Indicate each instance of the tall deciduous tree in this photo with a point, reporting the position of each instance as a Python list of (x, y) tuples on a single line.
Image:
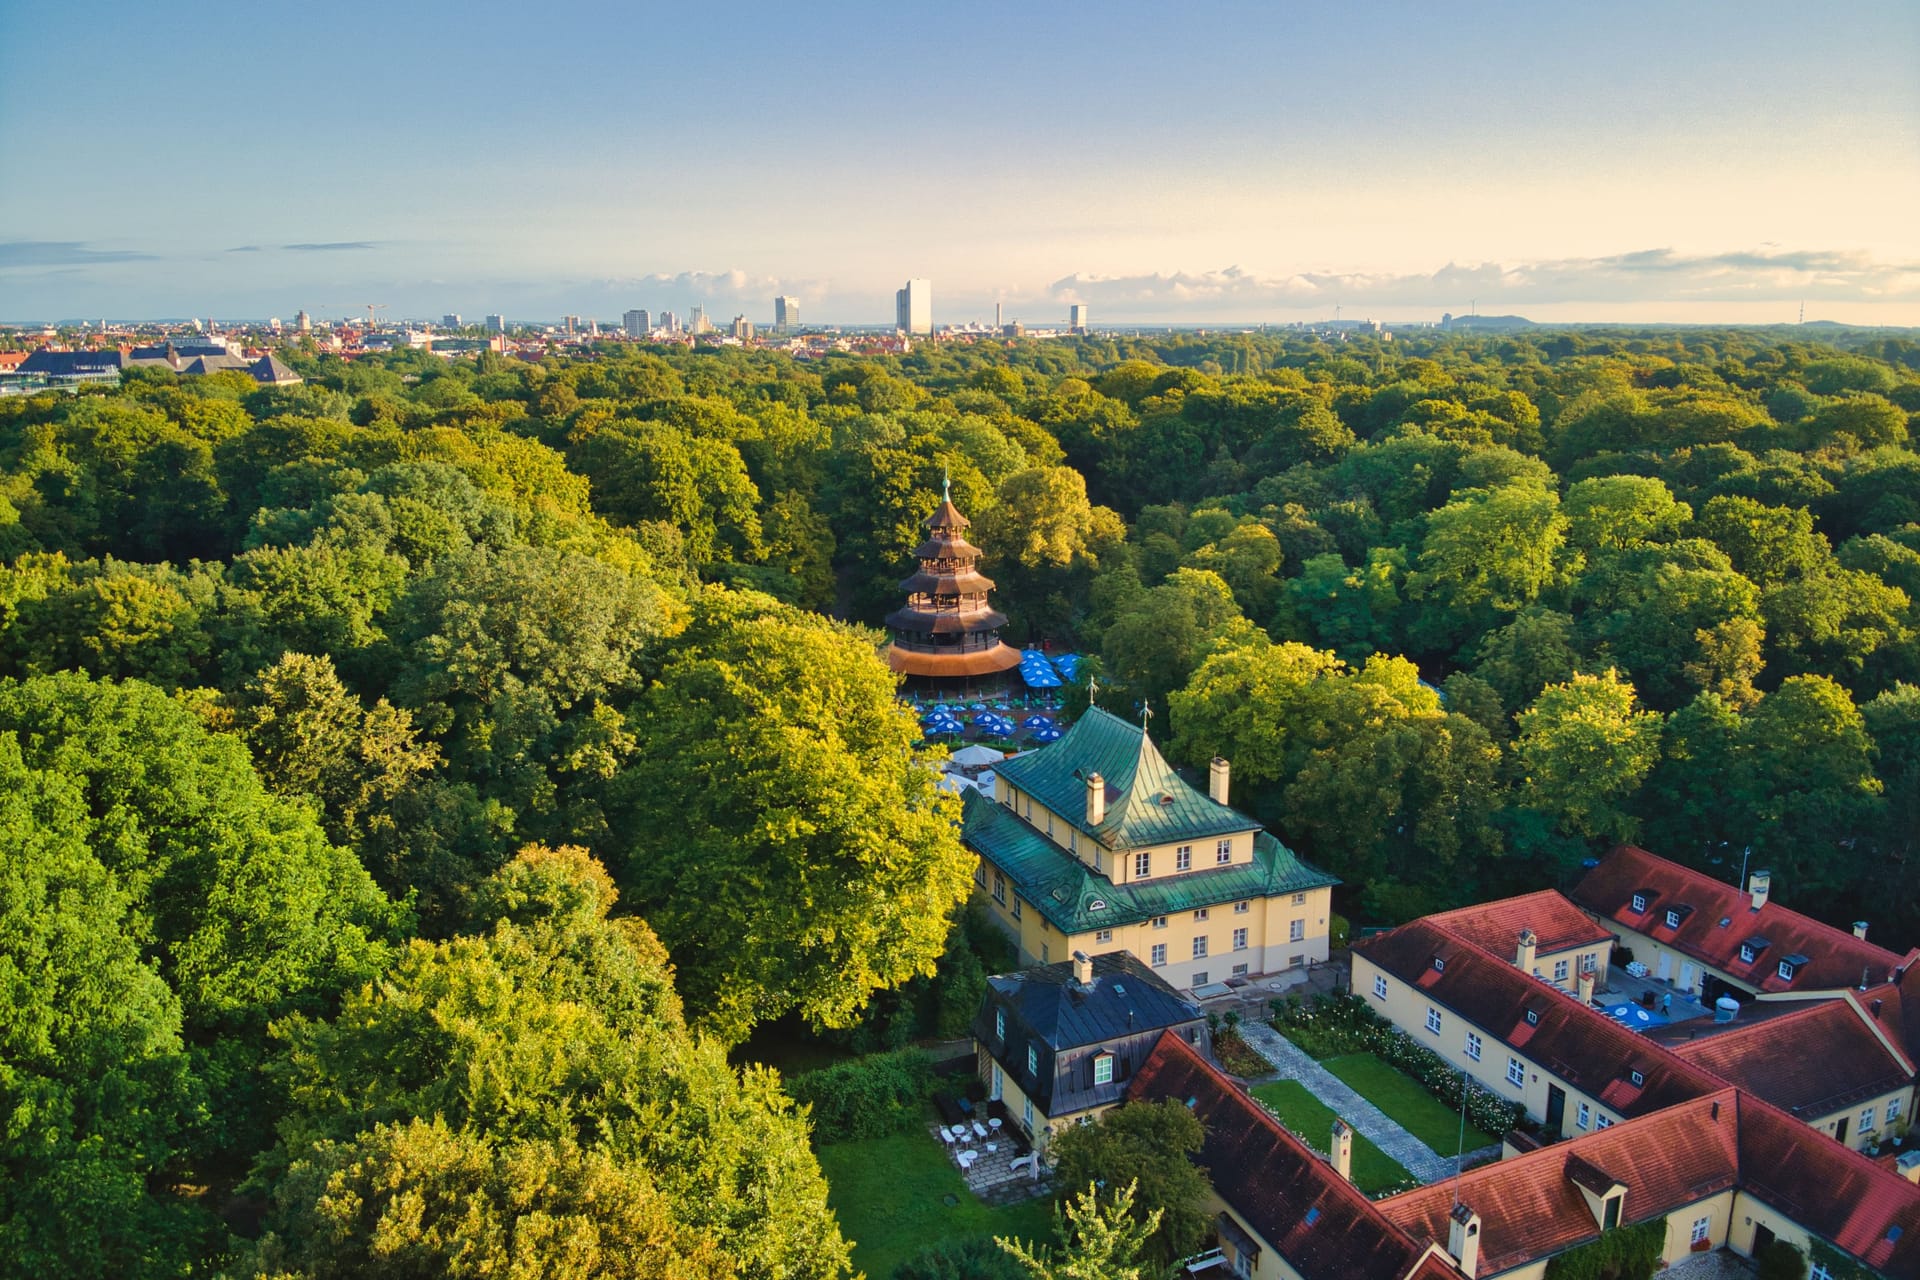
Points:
[(1142, 1152), (774, 824), (1583, 749)]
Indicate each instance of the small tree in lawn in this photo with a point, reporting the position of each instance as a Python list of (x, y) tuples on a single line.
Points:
[(1100, 1239), (1147, 1147)]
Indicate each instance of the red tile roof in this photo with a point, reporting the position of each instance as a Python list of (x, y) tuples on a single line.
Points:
[(1495, 927), (1580, 1045), (1811, 1062), (1833, 1191), (1276, 1183), (1531, 1206), (1834, 957)]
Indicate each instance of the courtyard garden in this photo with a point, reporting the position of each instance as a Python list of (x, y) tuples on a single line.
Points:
[(1311, 1120), (1407, 1103)]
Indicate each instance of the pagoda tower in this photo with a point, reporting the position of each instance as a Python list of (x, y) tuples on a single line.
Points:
[(948, 631)]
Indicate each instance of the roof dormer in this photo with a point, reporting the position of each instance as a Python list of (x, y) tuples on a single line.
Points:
[(1676, 915), (1605, 1194)]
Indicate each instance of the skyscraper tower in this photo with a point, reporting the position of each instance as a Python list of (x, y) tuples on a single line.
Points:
[(913, 308), (786, 314), (948, 630), (637, 324)]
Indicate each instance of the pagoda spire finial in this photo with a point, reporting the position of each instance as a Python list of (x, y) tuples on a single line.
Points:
[(946, 485)]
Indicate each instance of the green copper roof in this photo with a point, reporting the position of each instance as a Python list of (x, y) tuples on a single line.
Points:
[(1066, 890), (1147, 802)]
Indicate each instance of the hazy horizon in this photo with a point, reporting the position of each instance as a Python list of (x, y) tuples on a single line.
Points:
[(1722, 163)]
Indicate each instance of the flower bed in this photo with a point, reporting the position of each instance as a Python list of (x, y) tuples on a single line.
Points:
[(1237, 1056), (1334, 1026)]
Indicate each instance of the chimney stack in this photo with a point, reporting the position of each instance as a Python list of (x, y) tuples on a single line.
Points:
[(1524, 953), (1583, 986), (1876, 1010), (1463, 1239), (1096, 799), (1860, 930), (1217, 776), (1083, 968), (1760, 885), (1342, 1149)]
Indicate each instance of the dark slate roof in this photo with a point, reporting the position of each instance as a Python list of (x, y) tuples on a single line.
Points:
[(67, 364), (1148, 802), (270, 370), (1125, 998), (1075, 898)]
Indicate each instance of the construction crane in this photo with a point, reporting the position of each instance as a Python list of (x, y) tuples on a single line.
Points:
[(371, 308)]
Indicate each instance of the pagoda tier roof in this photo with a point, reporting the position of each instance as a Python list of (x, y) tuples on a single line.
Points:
[(974, 662), (966, 582), (947, 516), (946, 549), (945, 622)]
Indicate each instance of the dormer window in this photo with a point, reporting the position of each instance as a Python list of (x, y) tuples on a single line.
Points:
[(1103, 1068), (1000, 1024), (1789, 966), (1747, 953), (1439, 965), (1533, 1017), (1673, 919), (1639, 1078), (1033, 1061), (1639, 902)]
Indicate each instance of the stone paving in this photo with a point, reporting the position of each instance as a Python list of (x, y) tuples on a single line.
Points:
[(1293, 1063), (1721, 1264), (991, 1175)]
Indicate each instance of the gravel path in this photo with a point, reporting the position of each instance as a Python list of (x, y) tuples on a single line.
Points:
[(1293, 1063)]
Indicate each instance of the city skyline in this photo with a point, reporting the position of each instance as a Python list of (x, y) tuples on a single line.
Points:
[(1722, 162)]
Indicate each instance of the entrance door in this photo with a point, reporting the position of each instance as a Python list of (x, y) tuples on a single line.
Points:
[(996, 1082), (1666, 966), (1762, 1237), (1840, 1132), (1556, 1110), (1688, 976)]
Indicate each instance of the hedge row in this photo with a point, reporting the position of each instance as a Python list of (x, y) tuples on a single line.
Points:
[(1340, 1024), (868, 1097)]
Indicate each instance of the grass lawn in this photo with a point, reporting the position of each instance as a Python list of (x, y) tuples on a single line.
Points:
[(1311, 1120), (1406, 1102), (889, 1194)]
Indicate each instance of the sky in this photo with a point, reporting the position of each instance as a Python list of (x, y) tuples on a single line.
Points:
[(1190, 163)]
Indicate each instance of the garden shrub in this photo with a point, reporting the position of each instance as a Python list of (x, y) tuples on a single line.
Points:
[(1624, 1253), (1780, 1261), (961, 1258), (868, 1097), (1343, 1024)]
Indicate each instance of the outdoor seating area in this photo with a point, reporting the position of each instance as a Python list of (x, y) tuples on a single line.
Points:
[(1032, 719), (991, 1153), (1641, 1003)]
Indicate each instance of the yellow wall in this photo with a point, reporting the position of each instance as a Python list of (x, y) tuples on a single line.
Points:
[(1064, 831), (1270, 947), (1595, 954), (1015, 1100), (1829, 1123), (1648, 952)]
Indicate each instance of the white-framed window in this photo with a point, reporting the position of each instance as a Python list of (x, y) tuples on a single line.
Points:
[(1560, 970), (1017, 910), (1000, 1024), (1380, 986), (1701, 1227), (1673, 919), (1299, 899), (1296, 931), (1747, 953), (980, 874), (1103, 935), (1239, 971), (1200, 947), (1142, 866), (1866, 1120), (1200, 978), (999, 888), (1046, 954), (1785, 971), (1103, 1068), (1158, 956), (1473, 1045), (1296, 962), (1223, 851), (1639, 902), (1033, 1060), (1893, 1110), (1202, 913), (1242, 907), (1602, 1121), (1239, 939), (1183, 858), (1583, 1119), (1433, 1020), (1026, 1114), (1516, 1071), (1159, 922), (1639, 1078), (1817, 1270)]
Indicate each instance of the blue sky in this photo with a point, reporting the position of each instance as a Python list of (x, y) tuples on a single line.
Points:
[(1186, 163)]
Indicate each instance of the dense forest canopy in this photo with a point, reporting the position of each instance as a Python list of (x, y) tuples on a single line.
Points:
[(417, 778)]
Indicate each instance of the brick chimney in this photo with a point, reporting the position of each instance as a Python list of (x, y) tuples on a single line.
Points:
[(1860, 930), (1463, 1239), (1583, 986), (1217, 777), (1341, 1152), (1524, 953), (1083, 968), (1096, 799), (1760, 884)]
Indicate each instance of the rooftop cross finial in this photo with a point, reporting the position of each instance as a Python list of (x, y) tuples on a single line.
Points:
[(1093, 690), (1146, 714)]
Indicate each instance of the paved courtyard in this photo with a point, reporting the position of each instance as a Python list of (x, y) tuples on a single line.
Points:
[(990, 1171)]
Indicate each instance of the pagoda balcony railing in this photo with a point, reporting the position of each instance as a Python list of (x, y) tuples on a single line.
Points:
[(964, 642), (948, 604)]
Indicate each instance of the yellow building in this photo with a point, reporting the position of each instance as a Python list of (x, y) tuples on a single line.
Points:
[(1095, 844)]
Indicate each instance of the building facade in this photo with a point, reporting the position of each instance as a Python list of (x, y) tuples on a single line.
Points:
[(637, 323), (1095, 843), (913, 308), (786, 314)]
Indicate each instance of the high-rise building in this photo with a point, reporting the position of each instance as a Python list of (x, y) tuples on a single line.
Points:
[(496, 324), (303, 322), (572, 324), (913, 307), (786, 314), (451, 320), (997, 322), (698, 322), (743, 328), (1077, 318), (670, 322), (636, 324)]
